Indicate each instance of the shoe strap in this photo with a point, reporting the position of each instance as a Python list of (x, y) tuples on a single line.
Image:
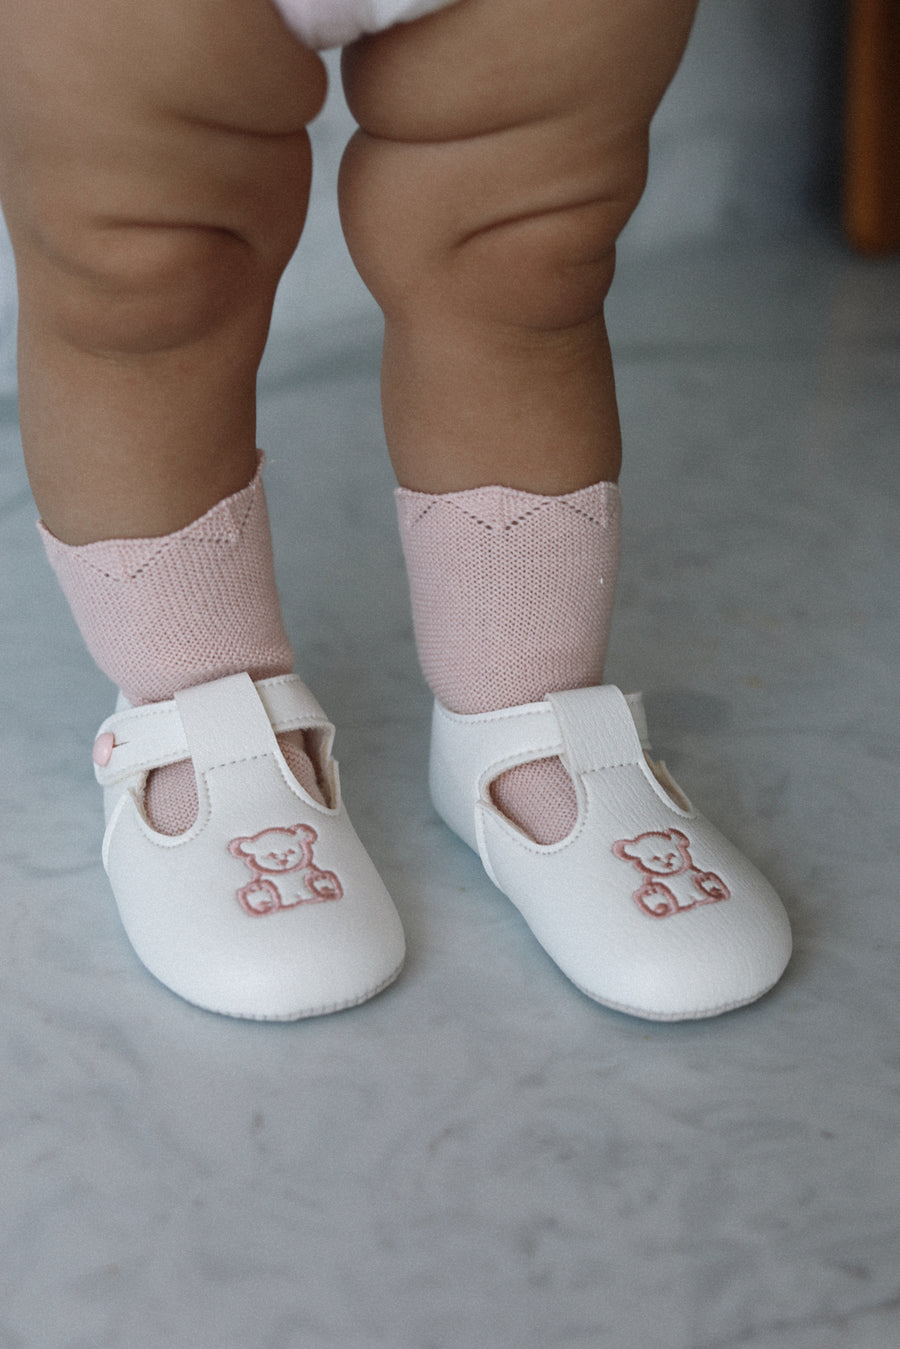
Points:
[(594, 728), (224, 721), (600, 728), (588, 728)]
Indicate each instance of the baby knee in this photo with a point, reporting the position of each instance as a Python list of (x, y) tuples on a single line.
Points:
[(141, 289), (120, 265), (548, 270), (540, 257)]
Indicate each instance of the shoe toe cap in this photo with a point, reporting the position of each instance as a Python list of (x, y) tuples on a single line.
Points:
[(295, 946)]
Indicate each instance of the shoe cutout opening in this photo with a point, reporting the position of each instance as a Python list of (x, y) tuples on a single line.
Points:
[(314, 744), (170, 798), (538, 798), (171, 803)]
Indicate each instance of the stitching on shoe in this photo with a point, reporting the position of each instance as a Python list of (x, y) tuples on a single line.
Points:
[(323, 1010), (532, 710), (142, 712), (539, 753), (196, 829), (292, 783), (693, 1014), (254, 758), (530, 845), (280, 679), (167, 710)]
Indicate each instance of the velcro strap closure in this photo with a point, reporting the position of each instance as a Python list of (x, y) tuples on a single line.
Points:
[(487, 743), (600, 728), (224, 721)]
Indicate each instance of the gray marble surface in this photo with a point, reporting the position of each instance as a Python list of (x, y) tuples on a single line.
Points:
[(481, 1156)]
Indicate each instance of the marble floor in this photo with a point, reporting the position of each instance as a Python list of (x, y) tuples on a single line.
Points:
[(481, 1156)]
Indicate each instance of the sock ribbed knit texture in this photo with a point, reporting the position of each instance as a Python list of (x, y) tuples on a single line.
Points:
[(512, 596), (163, 614)]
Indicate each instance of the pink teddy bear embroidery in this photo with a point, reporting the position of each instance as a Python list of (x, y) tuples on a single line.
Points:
[(667, 854), (283, 870)]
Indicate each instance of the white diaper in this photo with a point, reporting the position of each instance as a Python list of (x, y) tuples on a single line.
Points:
[(332, 23)]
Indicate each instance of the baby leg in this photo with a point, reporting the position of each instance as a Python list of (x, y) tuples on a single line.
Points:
[(154, 169), (503, 147)]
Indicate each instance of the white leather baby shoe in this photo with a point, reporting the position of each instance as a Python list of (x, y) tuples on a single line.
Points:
[(645, 906), (268, 907)]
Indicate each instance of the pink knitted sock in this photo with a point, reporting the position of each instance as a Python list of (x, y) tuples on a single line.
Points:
[(162, 614), (512, 597)]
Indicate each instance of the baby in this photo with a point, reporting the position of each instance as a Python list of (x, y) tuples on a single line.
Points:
[(154, 173)]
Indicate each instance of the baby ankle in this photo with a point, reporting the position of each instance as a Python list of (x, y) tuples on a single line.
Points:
[(512, 595)]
